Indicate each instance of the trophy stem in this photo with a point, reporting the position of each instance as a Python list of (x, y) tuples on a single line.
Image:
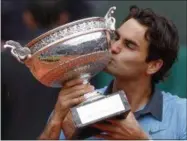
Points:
[(92, 95), (86, 77)]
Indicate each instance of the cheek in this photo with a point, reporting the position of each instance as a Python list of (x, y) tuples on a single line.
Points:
[(134, 63)]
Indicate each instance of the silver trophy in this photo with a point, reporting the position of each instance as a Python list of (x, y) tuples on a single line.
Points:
[(77, 49)]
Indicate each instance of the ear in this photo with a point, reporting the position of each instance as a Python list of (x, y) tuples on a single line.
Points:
[(154, 66), (29, 20), (64, 18)]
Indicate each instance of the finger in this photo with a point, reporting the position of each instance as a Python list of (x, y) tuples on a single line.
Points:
[(73, 82), (104, 136), (111, 136), (130, 115), (66, 101), (106, 127), (114, 121), (76, 101), (64, 92), (65, 105), (80, 92)]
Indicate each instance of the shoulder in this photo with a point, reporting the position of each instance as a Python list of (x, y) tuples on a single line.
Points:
[(175, 108), (174, 100), (174, 103)]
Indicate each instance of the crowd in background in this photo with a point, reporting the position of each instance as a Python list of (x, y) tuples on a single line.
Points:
[(26, 103)]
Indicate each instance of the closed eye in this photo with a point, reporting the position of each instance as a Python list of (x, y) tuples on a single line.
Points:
[(130, 44)]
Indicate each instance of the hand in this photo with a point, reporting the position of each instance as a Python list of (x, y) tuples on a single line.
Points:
[(70, 95), (121, 129)]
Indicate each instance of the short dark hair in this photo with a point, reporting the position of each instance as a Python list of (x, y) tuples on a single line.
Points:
[(163, 39), (47, 12)]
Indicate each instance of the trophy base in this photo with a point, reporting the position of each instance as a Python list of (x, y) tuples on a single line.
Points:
[(77, 124)]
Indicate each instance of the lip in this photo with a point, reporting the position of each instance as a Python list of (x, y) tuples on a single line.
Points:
[(111, 61)]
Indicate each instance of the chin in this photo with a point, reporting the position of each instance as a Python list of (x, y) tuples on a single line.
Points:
[(106, 69), (109, 70)]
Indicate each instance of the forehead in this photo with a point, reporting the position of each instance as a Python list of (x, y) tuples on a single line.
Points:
[(133, 30)]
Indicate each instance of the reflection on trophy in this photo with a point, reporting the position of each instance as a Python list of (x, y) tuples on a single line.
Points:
[(76, 49)]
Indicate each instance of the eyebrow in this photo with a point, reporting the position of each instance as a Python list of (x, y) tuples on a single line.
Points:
[(127, 40)]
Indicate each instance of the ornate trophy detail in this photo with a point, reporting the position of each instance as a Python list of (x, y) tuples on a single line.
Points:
[(110, 21), (76, 49), (21, 53)]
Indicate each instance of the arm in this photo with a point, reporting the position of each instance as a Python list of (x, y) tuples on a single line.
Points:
[(71, 94), (53, 128)]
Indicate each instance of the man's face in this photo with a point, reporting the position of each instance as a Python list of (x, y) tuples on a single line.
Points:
[(129, 51)]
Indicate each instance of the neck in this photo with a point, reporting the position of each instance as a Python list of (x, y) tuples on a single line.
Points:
[(137, 92)]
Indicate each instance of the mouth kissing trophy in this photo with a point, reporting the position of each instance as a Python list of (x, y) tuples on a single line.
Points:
[(76, 49)]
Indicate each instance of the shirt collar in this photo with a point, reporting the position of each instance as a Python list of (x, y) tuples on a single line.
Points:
[(154, 106)]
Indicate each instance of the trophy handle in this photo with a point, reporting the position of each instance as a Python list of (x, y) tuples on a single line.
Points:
[(19, 52), (109, 20)]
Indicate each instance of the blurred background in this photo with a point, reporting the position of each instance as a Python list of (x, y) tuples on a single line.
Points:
[(17, 24)]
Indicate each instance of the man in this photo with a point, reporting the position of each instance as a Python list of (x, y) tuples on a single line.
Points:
[(26, 103), (144, 50)]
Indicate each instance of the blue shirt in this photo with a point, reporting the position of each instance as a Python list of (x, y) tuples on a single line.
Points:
[(164, 117)]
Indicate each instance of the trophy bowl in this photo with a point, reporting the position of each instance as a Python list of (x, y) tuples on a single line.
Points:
[(76, 49)]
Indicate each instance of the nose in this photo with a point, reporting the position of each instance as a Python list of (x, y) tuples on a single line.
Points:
[(115, 47)]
